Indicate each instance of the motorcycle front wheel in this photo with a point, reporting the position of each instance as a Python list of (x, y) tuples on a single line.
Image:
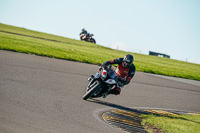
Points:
[(91, 92)]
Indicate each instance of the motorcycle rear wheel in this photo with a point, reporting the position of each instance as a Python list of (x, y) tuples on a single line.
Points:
[(94, 89), (93, 41)]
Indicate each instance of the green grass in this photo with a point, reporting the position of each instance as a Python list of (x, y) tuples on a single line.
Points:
[(75, 50), (174, 123)]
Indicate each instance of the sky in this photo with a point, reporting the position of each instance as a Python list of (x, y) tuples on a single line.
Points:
[(170, 27)]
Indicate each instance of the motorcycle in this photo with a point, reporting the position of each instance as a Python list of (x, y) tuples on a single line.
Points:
[(87, 37), (102, 82), (82, 36)]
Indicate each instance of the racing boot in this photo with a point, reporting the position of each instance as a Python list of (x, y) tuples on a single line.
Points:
[(115, 91)]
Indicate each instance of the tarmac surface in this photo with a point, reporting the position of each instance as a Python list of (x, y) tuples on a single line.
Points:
[(44, 95)]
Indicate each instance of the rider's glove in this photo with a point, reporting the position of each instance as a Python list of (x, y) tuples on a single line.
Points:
[(103, 65)]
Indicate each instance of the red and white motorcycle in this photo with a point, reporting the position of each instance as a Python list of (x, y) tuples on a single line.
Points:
[(87, 38), (102, 83)]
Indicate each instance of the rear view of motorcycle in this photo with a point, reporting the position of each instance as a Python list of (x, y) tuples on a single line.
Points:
[(102, 83)]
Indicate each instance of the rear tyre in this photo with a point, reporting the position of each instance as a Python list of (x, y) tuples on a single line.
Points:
[(94, 89), (92, 41)]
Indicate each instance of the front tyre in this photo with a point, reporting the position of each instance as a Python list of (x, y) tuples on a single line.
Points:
[(94, 89)]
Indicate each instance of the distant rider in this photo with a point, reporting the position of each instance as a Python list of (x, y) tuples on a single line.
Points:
[(125, 69), (83, 33)]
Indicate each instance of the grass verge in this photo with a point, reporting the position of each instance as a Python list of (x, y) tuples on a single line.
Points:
[(32, 42), (172, 123)]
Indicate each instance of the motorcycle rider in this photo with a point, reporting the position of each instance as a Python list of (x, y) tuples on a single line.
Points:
[(83, 33), (125, 69)]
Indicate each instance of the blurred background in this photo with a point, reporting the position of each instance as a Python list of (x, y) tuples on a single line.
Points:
[(169, 26)]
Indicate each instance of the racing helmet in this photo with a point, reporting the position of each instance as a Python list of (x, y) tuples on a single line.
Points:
[(128, 60)]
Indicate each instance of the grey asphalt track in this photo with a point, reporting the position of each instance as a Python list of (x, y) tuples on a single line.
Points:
[(44, 95)]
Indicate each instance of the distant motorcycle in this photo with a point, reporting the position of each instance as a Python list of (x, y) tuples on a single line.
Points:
[(87, 37), (102, 83)]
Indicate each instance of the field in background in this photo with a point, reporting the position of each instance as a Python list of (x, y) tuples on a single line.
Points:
[(32, 42)]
